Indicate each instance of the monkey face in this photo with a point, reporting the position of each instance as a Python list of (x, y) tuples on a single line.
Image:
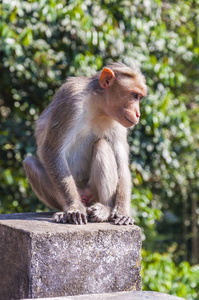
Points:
[(126, 111), (123, 97)]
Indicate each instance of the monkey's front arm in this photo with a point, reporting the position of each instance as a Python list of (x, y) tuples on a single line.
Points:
[(121, 210), (67, 196)]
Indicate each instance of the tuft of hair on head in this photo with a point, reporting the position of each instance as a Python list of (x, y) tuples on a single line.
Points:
[(120, 69), (123, 71)]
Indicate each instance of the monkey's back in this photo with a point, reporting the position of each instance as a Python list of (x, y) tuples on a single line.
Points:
[(60, 113)]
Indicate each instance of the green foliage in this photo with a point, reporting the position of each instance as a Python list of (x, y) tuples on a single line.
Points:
[(161, 274), (42, 42)]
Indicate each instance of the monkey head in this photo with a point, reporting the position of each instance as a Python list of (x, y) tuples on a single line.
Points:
[(122, 94)]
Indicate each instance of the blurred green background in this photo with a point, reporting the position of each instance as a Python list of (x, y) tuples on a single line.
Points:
[(44, 41)]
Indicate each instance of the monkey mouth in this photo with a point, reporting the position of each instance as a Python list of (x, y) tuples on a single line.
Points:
[(129, 121)]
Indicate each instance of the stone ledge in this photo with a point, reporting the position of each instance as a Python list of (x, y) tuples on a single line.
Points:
[(40, 258), (119, 296)]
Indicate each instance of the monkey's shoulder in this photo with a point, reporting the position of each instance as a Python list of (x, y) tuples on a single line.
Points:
[(72, 89)]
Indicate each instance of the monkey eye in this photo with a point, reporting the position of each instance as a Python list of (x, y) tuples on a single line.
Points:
[(135, 95)]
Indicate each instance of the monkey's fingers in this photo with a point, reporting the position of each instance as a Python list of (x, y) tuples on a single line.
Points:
[(92, 215), (74, 218), (84, 218), (60, 217), (81, 218), (77, 218), (123, 220), (93, 218), (120, 220), (131, 221), (115, 215)]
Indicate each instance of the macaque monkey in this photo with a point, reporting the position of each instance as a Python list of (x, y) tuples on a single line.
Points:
[(83, 168)]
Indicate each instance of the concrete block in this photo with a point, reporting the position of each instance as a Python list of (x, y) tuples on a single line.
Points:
[(40, 258), (119, 296)]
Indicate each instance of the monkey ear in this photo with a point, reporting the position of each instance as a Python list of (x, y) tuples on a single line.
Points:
[(107, 78)]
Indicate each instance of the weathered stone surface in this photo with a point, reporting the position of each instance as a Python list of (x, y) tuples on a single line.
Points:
[(120, 296), (40, 258)]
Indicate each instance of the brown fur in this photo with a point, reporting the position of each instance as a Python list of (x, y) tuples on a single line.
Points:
[(82, 146)]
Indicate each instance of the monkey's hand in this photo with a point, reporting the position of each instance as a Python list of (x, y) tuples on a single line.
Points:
[(120, 218), (98, 213), (76, 217), (72, 216)]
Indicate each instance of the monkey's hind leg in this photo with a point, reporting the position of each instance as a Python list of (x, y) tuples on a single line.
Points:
[(103, 181), (40, 182)]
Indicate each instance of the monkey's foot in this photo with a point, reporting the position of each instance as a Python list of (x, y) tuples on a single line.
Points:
[(98, 213), (72, 217), (120, 219)]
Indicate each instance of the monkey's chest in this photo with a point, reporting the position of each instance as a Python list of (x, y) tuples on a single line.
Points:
[(79, 158)]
